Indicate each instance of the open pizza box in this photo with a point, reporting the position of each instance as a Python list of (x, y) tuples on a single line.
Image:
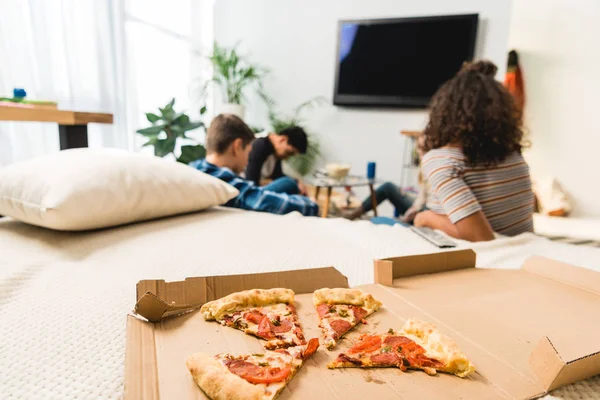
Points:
[(527, 331)]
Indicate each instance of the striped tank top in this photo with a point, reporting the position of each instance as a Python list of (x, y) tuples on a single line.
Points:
[(503, 192)]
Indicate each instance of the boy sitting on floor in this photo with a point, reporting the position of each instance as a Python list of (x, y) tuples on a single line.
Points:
[(228, 144)]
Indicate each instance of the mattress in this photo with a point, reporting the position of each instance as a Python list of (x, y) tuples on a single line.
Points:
[(64, 296)]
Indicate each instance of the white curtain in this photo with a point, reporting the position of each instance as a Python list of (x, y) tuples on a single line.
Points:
[(69, 51), (125, 57)]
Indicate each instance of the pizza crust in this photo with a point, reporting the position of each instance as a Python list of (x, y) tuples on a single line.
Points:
[(438, 346), (220, 384), (248, 298), (353, 297)]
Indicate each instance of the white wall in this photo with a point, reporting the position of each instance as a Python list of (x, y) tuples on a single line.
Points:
[(297, 41), (558, 45)]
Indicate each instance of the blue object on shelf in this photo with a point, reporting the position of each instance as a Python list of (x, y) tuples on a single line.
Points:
[(371, 166), (19, 93)]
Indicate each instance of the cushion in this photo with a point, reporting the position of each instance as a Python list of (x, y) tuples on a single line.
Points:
[(83, 189)]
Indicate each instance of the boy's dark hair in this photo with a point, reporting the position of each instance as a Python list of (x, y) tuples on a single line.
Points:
[(474, 111), (223, 130), (296, 137)]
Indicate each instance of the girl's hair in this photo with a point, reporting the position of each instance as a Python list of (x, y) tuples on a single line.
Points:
[(474, 111)]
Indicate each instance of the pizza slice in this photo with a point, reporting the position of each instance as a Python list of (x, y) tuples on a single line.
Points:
[(269, 314), (340, 310), (420, 345), (248, 377)]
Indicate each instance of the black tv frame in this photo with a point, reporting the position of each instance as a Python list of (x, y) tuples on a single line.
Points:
[(393, 101)]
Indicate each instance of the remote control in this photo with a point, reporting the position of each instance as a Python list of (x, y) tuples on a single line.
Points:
[(433, 237)]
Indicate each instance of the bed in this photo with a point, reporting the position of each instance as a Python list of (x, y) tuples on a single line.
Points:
[(64, 296)]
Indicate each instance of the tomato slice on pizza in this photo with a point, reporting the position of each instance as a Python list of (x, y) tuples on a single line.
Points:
[(340, 310), (269, 314), (420, 345), (252, 376)]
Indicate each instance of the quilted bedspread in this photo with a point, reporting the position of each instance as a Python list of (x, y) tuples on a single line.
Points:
[(64, 297)]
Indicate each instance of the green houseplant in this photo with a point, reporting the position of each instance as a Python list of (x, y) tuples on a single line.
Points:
[(169, 127), (233, 74), (302, 164)]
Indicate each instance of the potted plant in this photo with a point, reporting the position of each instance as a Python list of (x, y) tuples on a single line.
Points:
[(233, 74), (302, 164), (169, 127)]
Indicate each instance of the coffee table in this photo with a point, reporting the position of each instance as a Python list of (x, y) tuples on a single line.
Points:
[(349, 181)]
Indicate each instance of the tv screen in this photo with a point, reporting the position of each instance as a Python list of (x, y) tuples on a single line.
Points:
[(400, 62)]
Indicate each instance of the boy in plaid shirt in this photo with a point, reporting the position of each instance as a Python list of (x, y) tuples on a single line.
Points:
[(228, 144)]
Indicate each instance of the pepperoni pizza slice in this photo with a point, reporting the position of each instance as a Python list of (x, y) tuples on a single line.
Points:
[(340, 310), (248, 377), (420, 345), (269, 314)]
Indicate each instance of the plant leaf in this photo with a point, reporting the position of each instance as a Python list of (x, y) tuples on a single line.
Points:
[(162, 147), (203, 110), (181, 119), (151, 141), (191, 153), (152, 130), (152, 117), (168, 114), (177, 130), (193, 125), (170, 105)]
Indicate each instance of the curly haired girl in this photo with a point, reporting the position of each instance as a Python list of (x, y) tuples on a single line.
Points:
[(479, 182)]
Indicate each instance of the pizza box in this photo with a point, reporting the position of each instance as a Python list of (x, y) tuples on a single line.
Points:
[(527, 331)]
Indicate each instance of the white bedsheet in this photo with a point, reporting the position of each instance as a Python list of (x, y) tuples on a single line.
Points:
[(64, 296)]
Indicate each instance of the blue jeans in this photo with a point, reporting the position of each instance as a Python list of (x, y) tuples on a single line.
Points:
[(391, 192), (283, 185)]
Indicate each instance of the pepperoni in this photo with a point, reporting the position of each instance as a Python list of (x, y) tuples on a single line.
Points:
[(395, 341), (340, 326), (292, 308), (359, 313), (367, 344), (282, 326), (429, 362), (411, 352), (267, 329), (311, 348), (255, 374), (323, 310), (345, 359), (299, 339), (254, 316), (386, 359), (264, 329)]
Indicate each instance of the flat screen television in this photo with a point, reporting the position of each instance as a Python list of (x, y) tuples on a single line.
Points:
[(400, 62)]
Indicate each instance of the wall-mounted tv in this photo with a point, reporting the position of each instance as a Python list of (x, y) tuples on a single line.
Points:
[(400, 62)]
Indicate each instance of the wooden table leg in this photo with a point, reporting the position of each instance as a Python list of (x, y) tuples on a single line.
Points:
[(327, 200), (72, 136), (317, 190), (373, 199)]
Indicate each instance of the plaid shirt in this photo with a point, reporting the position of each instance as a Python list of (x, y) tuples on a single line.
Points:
[(255, 198)]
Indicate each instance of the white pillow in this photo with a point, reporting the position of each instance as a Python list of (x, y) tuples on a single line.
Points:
[(83, 189)]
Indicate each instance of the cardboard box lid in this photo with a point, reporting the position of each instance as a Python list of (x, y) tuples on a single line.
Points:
[(157, 299), (539, 321)]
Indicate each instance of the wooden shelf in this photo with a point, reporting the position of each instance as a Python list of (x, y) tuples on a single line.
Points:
[(62, 117)]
